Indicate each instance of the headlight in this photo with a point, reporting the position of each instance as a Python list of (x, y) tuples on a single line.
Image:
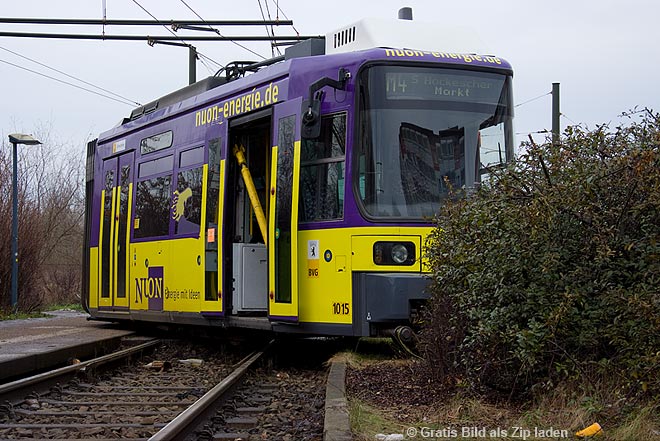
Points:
[(394, 253), (399, 253)]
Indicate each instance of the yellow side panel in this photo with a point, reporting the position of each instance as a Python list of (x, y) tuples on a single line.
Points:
[(283, 309), (219, 236), (363, 251), (160, 283), (114, 233), (93, 277), (107, 301), (184, 283), (147, 290), (213, 305), (126, 243), (327, 258), (324, 276)]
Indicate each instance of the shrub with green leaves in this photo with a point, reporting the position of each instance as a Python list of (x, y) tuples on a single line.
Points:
[(551, 269)]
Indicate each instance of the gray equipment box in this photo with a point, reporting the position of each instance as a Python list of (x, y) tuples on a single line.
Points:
[(250, 278)]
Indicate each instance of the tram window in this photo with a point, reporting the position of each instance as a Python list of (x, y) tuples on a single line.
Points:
[(152, 207), (191, 157), (187, 201), (330, 144), (213, 185), (156, 142), (160, 165), (107, 221), (322, 188), (322, 172), (212, 215), (286, 137)]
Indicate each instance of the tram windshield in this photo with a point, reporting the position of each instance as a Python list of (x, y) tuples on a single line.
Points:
[(423, 130)]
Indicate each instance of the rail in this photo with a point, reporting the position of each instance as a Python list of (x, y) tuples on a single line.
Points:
[(43, 382), (186, 422)]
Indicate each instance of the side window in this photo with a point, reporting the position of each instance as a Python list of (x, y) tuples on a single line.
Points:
[(107, 221), (156, 142), (187, 201), (152, 207), (213, 185), (160, 165), (322, 171)]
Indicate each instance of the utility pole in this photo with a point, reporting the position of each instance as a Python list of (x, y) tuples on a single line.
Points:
[(192, 64), (555, 113)]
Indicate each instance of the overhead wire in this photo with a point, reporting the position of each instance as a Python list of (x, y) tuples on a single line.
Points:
[(285, 16), (529, 101), (217, 31), (272, 32), (170, 30), (277, 48), (133, 102), (263, 17), (211, 60), (533, 99), (532, 133)]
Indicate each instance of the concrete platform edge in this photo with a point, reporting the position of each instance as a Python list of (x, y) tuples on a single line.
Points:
[(337, 426), (23, 364)]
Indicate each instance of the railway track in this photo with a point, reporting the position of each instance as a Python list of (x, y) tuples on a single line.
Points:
[(164, 399)]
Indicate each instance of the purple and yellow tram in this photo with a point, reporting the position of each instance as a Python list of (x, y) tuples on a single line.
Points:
[(296, 198)]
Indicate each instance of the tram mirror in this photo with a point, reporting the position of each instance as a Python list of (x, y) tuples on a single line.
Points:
[(311, 120), (311, 108)]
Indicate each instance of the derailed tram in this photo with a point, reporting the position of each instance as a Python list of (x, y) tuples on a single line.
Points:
[(296, 195)]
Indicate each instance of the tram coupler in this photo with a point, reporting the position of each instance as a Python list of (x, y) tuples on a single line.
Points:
[(403, 338), (405, 334)]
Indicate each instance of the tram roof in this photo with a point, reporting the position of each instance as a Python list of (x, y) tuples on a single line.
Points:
[(210, 90)]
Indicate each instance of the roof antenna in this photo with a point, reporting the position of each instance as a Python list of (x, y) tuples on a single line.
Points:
[(405, 13)]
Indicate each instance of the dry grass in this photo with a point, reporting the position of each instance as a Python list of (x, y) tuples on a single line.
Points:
[(562, 409)]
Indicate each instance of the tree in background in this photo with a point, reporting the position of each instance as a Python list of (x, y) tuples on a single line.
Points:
[(51, 211), (550, 271)]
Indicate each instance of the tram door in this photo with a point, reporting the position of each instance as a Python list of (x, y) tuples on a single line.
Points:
[(283, 216), (115, 232)]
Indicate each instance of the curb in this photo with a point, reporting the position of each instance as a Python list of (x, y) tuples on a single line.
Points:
[(336, 426)]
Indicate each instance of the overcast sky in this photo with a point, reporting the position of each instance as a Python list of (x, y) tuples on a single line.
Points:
[(604, 53)]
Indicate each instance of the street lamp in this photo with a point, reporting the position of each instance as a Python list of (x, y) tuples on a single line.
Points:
[(15, 139)]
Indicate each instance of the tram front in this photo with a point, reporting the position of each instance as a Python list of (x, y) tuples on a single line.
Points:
[(422, 130)]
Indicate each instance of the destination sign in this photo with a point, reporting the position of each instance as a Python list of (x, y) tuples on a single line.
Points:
[(443, 86)]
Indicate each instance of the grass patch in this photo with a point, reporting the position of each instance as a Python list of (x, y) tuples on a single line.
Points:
[(369, 350), (367, 421), (67, 306), (21, 315), (391, 407), (643, 424), (4, 315)]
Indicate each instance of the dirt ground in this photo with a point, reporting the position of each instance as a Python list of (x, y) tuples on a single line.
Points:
[(395, 395)]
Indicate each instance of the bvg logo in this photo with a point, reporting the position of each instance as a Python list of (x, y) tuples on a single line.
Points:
[(152, 288)]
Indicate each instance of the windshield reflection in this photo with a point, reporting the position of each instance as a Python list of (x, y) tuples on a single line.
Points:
[(423, 130)]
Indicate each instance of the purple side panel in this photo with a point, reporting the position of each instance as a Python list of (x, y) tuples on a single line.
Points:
[(155, 288)]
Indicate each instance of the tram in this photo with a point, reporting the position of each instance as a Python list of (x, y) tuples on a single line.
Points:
[(293, 195)]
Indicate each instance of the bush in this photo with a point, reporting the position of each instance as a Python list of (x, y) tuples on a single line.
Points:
[(551, 269)]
